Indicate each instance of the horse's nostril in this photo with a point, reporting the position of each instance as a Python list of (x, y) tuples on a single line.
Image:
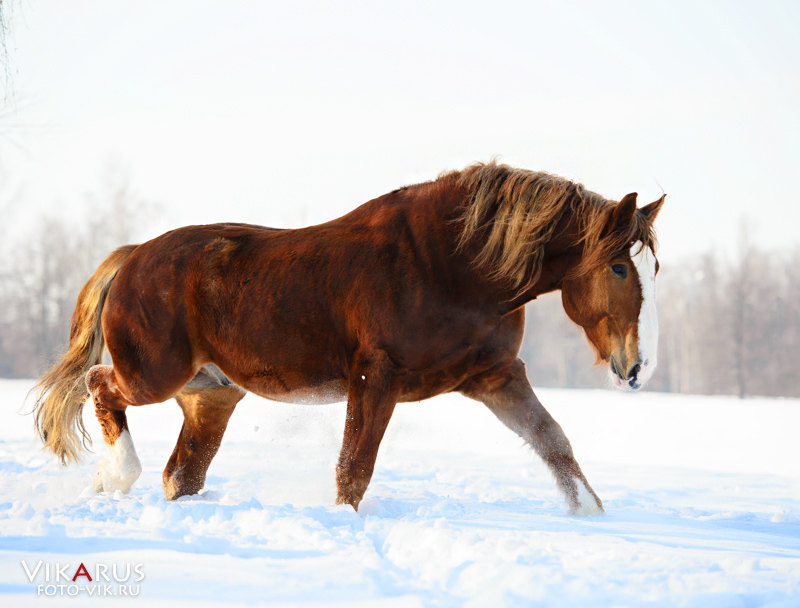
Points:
[(634, 371)]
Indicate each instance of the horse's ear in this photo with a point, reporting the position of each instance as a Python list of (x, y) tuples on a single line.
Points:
[(651, 211), (622, 214)]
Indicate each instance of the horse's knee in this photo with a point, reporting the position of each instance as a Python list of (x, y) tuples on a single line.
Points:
[(96, 376), (116, 388), (101, 385)]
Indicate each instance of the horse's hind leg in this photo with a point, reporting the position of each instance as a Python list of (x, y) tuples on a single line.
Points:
[(112, 394), (206, 412), (121, 468), (509, 395)]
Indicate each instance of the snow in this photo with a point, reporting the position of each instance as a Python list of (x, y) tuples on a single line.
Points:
[(702, 498)]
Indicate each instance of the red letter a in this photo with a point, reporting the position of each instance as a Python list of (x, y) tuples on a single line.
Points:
[(81, 571)]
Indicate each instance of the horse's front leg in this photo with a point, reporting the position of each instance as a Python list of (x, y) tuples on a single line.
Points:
[(509, 395), (370, 402)]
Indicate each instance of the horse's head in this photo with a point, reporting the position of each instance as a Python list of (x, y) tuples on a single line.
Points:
[(613, 297)]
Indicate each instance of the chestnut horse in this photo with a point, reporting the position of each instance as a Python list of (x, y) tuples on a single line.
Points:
[(413, 294)]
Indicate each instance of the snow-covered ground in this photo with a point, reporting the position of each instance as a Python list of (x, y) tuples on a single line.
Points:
[(702, 498)]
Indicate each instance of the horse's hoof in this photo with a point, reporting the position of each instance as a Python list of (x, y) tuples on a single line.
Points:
[(171, 490), (107, 479), (105, 483), (353, 502), (177, 484)]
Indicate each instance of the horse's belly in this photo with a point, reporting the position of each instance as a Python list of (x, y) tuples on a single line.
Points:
[(334, 391)]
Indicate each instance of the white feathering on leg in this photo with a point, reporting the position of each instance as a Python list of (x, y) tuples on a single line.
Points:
[(121, 468), (586, 501)]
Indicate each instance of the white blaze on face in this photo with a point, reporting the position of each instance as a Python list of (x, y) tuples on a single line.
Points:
[(645, 263)]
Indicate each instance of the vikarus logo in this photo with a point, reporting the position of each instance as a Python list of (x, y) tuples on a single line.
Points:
[(97, 579)]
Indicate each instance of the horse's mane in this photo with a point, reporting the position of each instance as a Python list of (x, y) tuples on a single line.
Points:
[(515, 212)]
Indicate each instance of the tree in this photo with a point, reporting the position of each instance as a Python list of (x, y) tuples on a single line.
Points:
[(46, 269)]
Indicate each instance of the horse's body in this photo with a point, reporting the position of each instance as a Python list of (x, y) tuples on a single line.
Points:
[(411, 295), (284, 313)]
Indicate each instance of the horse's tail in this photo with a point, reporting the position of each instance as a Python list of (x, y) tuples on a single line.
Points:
[(62, 389)]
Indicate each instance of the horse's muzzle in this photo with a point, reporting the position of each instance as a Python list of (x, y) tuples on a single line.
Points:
[(625, 379)]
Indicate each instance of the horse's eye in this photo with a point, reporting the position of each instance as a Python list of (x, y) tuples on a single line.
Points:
[(620, 270)]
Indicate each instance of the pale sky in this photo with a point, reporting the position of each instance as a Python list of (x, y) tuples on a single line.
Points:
[(291, 113)]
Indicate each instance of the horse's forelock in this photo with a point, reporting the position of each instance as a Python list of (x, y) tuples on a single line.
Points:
[(600, 246)]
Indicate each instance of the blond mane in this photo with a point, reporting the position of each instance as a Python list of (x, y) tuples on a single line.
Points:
[(515, 212)]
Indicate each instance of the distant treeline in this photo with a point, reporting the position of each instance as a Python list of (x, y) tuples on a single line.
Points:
[(727, 327)]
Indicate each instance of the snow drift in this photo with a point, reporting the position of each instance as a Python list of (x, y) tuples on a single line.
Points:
[(702, 497)]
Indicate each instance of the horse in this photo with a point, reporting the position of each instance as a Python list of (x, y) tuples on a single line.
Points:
[(413, 294)]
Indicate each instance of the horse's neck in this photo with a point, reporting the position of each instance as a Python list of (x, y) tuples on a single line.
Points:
[(437, 214), (554, 269), (562, 254)]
